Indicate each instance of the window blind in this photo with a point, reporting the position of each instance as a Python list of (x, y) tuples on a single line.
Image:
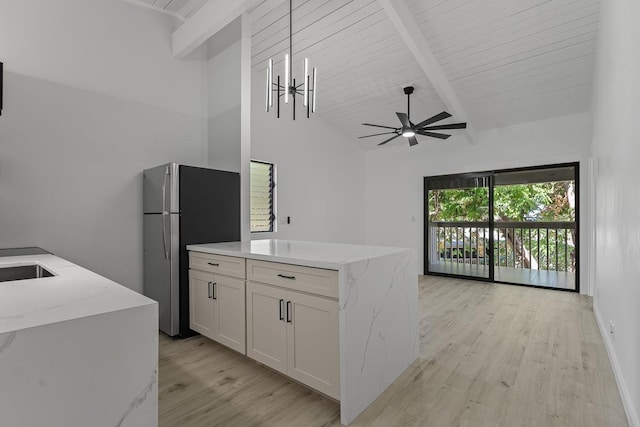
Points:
[(262, 185)]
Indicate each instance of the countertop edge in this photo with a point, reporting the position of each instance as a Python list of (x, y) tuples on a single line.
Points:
[(283, 259), (42, 314), (74, 318), (272, 258)]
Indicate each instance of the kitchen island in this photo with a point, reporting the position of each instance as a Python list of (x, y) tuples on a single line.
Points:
[(291, 287), (76, 349)]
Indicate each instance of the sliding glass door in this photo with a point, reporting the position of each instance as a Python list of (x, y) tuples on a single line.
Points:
[(457, 229), (516, 226), (535, 227)]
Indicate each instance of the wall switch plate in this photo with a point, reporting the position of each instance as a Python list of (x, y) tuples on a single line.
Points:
[(284, 220)]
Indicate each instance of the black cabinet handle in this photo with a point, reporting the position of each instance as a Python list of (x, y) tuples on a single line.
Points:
[(281, 309), (213, 263), (289, 310), (209, 289), (214, 290), (287, 277)]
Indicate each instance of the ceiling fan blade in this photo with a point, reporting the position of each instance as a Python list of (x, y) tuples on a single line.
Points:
[(436, 118), (412, 141), (376, 134), (433, 134), (379, 126), (390, 139), (404, 119), (449, 126)]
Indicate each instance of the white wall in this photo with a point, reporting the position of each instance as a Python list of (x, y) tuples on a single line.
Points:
[(92, 97), (616, 149), (105, 46), (320, 174), (394, 175), (223, 76)]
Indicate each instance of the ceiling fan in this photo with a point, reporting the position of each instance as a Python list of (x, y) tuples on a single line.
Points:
[(410, 130)]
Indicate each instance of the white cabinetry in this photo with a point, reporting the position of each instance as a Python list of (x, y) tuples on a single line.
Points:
[(291, 331), (217, 301), (266, 330), (200, 302), (332, 342)]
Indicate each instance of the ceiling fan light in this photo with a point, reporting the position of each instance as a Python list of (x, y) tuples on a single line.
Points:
[(410, 130)]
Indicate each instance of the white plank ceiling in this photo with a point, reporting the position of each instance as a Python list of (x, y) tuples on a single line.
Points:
[(362, 62), (514, 61), (509, 61)]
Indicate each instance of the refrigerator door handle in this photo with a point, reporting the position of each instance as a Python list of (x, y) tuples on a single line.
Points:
[(164, 213), (164, 236)]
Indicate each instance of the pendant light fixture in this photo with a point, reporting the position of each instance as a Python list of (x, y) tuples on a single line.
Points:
[(289, 89)]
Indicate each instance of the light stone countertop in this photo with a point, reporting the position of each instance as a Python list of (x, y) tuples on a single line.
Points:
[(332, 256), (74, 292)]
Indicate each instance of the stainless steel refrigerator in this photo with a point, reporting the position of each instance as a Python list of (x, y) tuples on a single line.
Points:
[(183, 205)]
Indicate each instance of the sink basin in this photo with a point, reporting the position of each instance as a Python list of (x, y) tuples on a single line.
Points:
[(22, 272)]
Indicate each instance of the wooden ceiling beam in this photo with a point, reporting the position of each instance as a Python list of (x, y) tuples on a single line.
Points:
[(410, 32)]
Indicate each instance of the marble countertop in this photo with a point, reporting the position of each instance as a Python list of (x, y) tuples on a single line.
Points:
[(331, 256), (31, 250), (73, 292)]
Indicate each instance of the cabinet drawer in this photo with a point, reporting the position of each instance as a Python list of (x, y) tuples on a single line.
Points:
[(228, 265), (308, 279)]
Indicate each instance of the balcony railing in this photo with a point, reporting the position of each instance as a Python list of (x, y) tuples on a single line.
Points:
[(527, 244)]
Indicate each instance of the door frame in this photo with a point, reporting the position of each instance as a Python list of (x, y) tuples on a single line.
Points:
[(490, 174), (468, 175)]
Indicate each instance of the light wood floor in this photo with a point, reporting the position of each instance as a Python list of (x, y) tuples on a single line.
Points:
[(490, 355)]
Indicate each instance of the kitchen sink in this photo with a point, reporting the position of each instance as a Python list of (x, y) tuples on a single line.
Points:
[(22, 272)]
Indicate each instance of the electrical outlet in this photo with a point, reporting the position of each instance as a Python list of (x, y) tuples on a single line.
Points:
[(612, 330)]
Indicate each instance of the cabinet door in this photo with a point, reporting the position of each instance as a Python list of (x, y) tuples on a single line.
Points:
[(312, 342), (200, 303), (229, 312), (266, 328)]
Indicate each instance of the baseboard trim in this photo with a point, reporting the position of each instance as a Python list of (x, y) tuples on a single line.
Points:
[(630, 411)]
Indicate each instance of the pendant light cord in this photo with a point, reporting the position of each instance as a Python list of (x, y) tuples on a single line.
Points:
[(290, 41)]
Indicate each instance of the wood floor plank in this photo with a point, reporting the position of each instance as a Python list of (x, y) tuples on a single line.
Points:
[(490, 355)]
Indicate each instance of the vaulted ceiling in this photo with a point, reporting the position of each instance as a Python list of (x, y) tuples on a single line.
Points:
[(508, 61), (181, 8)]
